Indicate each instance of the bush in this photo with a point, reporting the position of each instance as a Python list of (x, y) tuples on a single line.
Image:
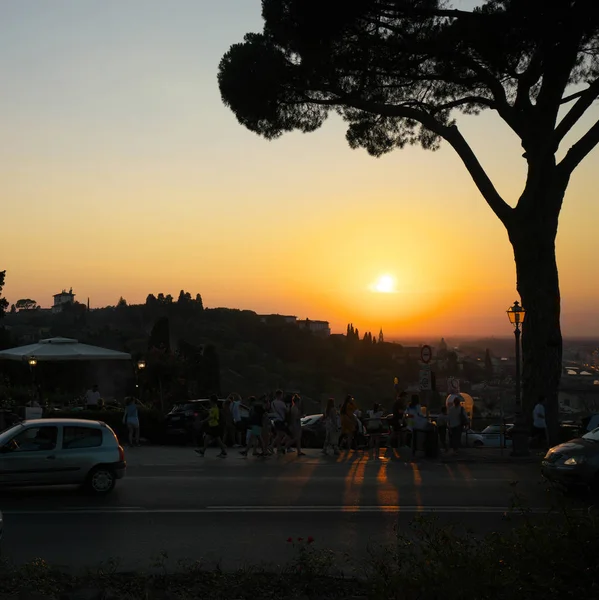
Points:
[(550, 557), (151, 422)]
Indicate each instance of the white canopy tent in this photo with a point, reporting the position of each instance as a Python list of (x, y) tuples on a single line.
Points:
[(61, 349)]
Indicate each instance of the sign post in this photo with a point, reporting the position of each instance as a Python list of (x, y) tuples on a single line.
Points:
[(425, 378), (426, 354)]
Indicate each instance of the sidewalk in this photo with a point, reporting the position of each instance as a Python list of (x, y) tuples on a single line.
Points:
[(491, 456), (180, 456)]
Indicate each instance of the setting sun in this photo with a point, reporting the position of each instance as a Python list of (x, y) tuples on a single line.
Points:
[(385, 284)]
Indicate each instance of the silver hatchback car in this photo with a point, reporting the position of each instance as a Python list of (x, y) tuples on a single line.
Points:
[(61, 452)]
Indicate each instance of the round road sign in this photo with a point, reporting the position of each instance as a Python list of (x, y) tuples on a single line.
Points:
[(426, 353)]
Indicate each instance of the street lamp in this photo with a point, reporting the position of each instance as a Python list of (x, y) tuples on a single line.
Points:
[(141, 365), (516, 315), (32, 361)]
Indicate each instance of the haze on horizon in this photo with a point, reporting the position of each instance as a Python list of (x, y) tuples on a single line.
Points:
[(123, 174)]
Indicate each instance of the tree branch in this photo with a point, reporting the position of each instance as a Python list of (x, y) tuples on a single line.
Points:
[(579, 151), (587, 97), (484, 184)]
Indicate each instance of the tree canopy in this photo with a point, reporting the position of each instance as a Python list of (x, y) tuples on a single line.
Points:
[(398, 70)]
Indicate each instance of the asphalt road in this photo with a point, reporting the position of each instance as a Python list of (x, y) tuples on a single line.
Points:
[(237, 511)]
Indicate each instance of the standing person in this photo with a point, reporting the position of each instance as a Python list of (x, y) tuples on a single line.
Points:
[(92, 397), (280, 411), (348, 420), (457, 421), (255, 429), (240, 435), (131, 419), (214, 428), (267, 425), (398, 410), (332, 427), (375, 428), (442, 423), (413, 418), (295, 425), (539, 425), (230, 431)]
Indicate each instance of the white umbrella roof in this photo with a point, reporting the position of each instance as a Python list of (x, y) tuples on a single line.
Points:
[(55, 349)]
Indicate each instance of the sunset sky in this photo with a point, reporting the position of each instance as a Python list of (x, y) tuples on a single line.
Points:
[(122, 174)]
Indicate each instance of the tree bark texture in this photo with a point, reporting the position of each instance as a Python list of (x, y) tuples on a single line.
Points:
[(532, 233)]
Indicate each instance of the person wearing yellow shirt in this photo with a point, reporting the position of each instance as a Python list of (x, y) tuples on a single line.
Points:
[(213, 428)]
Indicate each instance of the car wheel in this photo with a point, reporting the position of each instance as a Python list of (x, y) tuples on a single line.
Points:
[(477, 444), (100, 481)]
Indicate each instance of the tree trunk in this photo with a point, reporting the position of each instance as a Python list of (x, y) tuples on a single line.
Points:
[(533, 239)]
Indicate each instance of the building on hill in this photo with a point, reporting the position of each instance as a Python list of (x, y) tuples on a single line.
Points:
[(276, 319), (316, 327), (63, 299)]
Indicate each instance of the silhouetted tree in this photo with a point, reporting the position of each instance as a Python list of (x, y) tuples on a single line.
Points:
[(26, 304), (381, 336), (160, 336), (13, 309), (122, 303), (184, 297), (210, 372), (199, 302), (151, 300), (397, 70), (3, 301)]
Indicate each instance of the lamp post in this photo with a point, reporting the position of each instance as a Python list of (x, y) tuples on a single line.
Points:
[(141, 365), (516, 314), (32, 362)]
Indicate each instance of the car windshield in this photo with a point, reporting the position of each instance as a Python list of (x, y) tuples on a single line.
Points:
[(9, 433), (310, 419), (592, 436)]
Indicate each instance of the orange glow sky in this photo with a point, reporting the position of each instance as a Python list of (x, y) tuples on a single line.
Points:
[(122, 174)]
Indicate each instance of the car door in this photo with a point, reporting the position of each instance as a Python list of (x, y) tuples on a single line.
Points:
[(30, 457), (80, 451)]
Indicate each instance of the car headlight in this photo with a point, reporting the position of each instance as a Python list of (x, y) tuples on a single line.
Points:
[(574, 460)]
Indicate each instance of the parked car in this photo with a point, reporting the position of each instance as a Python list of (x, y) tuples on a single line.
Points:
[(494, 436), (181, 421), (472, 439), (61, 452), (574, 463), (313, 431)]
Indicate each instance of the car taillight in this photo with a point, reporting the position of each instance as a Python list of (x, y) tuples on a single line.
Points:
[(121, 454)]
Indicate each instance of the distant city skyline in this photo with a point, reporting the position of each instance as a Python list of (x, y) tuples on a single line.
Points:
[(124, 174)]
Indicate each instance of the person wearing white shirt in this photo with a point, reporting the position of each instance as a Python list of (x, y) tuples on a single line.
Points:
[(539, 425), (92, 397), (374, 427)]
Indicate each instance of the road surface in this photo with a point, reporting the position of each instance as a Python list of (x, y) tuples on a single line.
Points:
[(239, 511)]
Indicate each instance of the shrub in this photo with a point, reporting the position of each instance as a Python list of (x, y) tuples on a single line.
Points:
[(551, 556)]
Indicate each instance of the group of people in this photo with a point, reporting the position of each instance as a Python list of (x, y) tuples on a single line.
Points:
[(272, 425)]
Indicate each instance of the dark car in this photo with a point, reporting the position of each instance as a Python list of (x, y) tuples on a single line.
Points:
[(574, 463), (313, 431), (182, 421)]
